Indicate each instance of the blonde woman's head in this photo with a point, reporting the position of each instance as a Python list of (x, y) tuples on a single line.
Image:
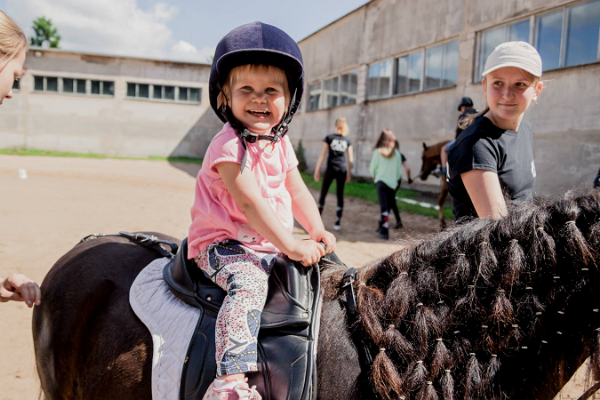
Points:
[(341, 126), (12, 39)]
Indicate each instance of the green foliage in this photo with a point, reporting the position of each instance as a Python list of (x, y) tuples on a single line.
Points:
[(44, 32), (302, 166)]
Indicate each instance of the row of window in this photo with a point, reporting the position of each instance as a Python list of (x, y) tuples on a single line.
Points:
[(428, 68), (164, 93), (337, 91), (73, 86), (177, 94), (565, 37)]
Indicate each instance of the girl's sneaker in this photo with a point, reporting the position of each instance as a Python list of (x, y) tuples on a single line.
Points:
[(238, 391)]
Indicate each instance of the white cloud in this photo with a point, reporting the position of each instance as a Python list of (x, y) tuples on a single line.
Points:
[(186, 51), (117, 27)]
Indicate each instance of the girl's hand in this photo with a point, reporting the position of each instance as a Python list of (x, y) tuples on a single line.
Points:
[(348, 176), (307, 252), (327, 238), (18, 287), (317, 176)]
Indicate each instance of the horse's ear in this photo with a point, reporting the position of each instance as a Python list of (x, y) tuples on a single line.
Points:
[(424, 146)]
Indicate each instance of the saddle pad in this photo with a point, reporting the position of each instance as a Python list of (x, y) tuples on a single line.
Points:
[(171, 323)]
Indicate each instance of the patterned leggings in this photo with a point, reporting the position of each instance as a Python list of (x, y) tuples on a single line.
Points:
[(243, 273)]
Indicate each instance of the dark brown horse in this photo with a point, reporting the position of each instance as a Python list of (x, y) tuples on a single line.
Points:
[(503, 309), (430, 158)]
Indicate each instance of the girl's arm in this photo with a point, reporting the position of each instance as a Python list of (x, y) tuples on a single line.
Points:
[(18, 287), (260, 215), (485, 192), (373, 166), (407, 170), (350, 163), (306, 212), (317, 175)]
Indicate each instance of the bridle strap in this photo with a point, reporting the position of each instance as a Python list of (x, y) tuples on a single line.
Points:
[(365, 356)]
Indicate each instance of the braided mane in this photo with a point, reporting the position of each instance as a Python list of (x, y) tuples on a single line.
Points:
[(456, 315)]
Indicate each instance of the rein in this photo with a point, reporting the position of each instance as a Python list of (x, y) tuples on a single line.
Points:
[(365, 356)]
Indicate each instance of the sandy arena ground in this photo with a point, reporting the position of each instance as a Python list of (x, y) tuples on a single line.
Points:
[(65, 199)]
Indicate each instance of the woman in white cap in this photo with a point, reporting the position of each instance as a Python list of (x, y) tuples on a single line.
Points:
[(492, 160)]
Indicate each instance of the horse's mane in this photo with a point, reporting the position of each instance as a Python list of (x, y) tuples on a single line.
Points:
[(445, 309)]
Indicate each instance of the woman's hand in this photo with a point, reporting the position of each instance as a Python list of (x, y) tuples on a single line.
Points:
[(307, 252), (325, 237), (18, 287), (348, 177), (317, 176)]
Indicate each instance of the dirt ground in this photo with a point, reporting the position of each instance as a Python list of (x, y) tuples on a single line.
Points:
[(64, 199)]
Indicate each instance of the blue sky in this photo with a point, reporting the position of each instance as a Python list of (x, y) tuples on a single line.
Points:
[(169, 29)]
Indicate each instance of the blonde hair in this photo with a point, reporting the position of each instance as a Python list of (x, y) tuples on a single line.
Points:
[(12, 39), (243, 71), (341, 126), (468, 119)]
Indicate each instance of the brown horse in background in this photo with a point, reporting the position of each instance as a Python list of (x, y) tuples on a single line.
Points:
[(496, 310), (430, 160)]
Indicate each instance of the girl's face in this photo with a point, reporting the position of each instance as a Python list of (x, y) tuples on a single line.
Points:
[(258, 101), (509, 92), (11, 71)]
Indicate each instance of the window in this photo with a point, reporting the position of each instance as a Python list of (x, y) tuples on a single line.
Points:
[(163, 93), (380, 79), (330, 91), (108, 88), (415, 71), (314, 96), (348, 88), (16, 85), (564, 37), (68, 85), (45, 84), (73, 86), (441, 66), (488, 40), (95, 87), (51, 84)]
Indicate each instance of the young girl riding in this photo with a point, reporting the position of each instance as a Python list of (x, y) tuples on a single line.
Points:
[(493, 157), (249, 191)]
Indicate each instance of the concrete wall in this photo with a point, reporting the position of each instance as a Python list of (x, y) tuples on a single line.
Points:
[(566, 121), (108, 125)]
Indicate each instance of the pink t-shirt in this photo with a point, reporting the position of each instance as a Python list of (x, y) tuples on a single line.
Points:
[(216, 216)]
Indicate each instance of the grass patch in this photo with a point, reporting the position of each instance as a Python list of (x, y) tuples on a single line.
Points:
[(46, 153), (367, 191)]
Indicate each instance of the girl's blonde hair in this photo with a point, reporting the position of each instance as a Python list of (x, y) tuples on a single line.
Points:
[(242, 71), (12, 39), (468, 119), (386, 143), (341, 126)]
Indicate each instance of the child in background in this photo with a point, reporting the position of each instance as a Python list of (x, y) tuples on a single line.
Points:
[(493, 157), (386, 173), (248, 192), (335, 146)]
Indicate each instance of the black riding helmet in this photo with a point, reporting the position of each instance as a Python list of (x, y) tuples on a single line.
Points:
[(465, 101)]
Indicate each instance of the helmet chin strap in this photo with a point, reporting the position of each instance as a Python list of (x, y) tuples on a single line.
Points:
[(280, 130)]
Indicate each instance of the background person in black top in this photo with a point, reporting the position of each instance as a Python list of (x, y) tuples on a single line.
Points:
[(336, 146), (493, 157)]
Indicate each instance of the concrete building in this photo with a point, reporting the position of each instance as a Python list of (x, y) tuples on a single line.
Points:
[(405, 64), (89, 103)]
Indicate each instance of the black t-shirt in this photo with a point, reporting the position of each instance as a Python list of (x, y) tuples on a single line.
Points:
[(338, 145), (484, 146)]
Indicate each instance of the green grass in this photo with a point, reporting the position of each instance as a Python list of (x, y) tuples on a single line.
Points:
[(45, 153), (367, 191)]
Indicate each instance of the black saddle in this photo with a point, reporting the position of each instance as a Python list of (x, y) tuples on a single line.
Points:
[(287, 338)]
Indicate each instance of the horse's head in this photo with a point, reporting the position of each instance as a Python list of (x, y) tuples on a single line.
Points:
[(430, 158)]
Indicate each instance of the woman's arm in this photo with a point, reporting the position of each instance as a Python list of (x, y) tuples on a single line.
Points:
[(350, 163), (407, 170), (374, 162), (485, 192), (18, 287), (317, 175), (246, 194), (306, 212)]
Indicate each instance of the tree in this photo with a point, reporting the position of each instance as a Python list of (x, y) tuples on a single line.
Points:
[(44, 33), (302, 166)]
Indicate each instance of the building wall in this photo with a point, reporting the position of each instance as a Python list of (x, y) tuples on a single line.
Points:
[(565, 120), (108, 125)]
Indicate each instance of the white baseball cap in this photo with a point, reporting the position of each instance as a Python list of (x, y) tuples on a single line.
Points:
[(514, 54)]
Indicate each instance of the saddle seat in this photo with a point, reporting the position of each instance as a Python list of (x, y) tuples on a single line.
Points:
[(288, 332)]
